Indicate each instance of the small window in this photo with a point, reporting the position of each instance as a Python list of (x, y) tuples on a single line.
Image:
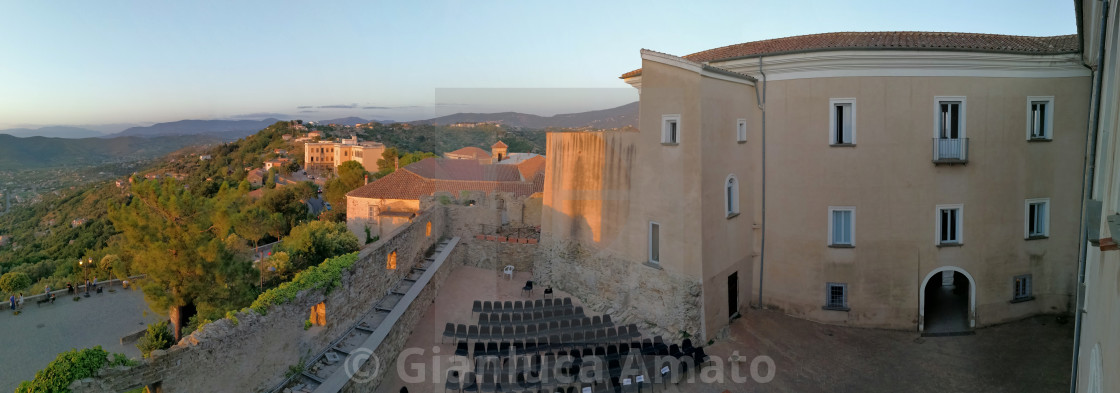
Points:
[(731, 196), (391, 261), (950, 117), (654, 242), (741, 130), (1037, 213), (949, 225), (1022, 290), (842, 226), (374, 211), (1040, 123), (842, 123), (836, 296), (670, 129)]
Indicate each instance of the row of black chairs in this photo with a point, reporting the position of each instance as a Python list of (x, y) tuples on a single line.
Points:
[(565, 328), (577, 368), (513, 318), (520, 306), (535, 345)]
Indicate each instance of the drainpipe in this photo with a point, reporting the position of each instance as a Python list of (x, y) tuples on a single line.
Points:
[(1087, 190), (762, 249)]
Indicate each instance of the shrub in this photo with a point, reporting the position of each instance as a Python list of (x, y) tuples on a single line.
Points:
[(14, 282), (158, 336), (69, 367), (325, 276)]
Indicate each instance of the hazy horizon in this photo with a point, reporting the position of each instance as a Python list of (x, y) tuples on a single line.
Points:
[(104, 66)]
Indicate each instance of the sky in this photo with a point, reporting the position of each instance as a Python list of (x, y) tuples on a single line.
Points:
[(108, 65)]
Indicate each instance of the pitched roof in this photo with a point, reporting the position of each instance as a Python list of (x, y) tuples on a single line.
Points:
[(500, 144), (889, 40), (530, 167), (470, 151), (452, 169), (432, 175)]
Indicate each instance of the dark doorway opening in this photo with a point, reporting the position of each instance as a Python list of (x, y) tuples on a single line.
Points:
[(947, 304), (733, 295)]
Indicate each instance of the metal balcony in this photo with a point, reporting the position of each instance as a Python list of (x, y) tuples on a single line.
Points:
[(950, 151)]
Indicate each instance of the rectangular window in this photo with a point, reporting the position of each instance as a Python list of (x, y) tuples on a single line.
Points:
[(1022, 289), (949, 230), (741, 130), (731, 196), (374, 211), (842, 226), (1040, 123), (842, 121), (1037, 214), (950, 117), (654, 242), (670, 129), (836, 296)]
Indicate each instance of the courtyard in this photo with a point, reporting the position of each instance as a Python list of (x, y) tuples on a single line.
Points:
[(1030, 355), (34, 338)]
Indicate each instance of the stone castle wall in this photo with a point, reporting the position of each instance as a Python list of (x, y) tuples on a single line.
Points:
[(254, 353)]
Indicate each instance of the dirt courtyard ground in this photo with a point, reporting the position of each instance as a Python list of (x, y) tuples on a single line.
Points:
[(1031, 355)]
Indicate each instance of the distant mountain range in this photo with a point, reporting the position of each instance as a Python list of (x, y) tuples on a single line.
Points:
[(626, 115), (42, 152), (53, 132), (227, 129)]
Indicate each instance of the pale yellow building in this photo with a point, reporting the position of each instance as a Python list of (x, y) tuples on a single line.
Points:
[(903, 180), (329, 155), (1097, 336)]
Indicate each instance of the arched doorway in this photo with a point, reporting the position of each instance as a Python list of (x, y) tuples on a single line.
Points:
[(947, 302)]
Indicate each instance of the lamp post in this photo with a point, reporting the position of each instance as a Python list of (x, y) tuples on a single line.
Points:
[(85, 271)]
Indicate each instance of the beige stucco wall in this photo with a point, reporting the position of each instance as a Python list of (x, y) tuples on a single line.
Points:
[(358, 217), (895, 188)]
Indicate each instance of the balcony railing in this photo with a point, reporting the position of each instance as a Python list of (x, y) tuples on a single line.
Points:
[(950, 151)]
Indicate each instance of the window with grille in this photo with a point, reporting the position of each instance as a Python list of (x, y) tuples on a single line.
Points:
[(836, 296), (1023, 288)]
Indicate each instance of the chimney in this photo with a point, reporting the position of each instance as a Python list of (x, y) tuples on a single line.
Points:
[(367, 179), (396, 163)]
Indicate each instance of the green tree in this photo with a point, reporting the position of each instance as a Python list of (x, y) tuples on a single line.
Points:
[(270, 182), (108, 263), (415, 157), (171, 236), (388, 162), (14, 282), (311, 243), (351, 175)]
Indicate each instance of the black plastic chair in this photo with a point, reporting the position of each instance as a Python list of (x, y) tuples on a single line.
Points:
[(686, 347), (515, 318), (634, 333), (498, 307), (506, 319), (487, 306), (538, 315), (531, 331), (484, 319), (607, 320), (485, 333), (448, 332), (577, 311), (568, 302), (596, 321), (472, 333), (507, 306), (476, 307), (675, 351), (461, 331), (461, 349), (479, 350), (518, 306), (452, 382), (527, 288), (470, 382), (538, 305), (547, 292)]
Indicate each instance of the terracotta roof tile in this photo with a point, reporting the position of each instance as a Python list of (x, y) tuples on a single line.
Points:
[(470, 151), (530, 167), (452, 169), (889, 40), (500, 144), (432, 175)]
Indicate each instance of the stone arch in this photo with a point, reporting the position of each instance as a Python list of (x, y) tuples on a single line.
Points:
[(971, 296)]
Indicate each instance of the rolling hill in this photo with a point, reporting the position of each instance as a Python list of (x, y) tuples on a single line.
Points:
[(227, 129), (626, 115), (42, 152), (53, 132)]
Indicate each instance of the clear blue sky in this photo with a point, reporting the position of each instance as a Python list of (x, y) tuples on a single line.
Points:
[(106, 62)]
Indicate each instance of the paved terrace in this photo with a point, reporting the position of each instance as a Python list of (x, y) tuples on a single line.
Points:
[(1032, 355), (36, 336)]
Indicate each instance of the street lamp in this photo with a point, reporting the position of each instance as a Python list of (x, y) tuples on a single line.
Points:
[(85, 271)]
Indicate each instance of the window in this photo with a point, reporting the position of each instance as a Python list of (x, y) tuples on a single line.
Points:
[(949, 225), (670, 129), (731, 196), (1037, 214), (374, 211), (842, 226), (836, 296), (428, 230), (654, 242), (950, 117), (1040, 115), (1022, 290), (842, 121), (391, 261), (741, 130)]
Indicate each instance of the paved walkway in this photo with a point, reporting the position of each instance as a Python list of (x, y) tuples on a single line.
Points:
[(29, 341), (1032, 355)]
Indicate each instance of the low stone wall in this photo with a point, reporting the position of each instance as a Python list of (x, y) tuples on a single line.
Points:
[(386, 353), (494, 255), (254, 353), (658, 301)]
